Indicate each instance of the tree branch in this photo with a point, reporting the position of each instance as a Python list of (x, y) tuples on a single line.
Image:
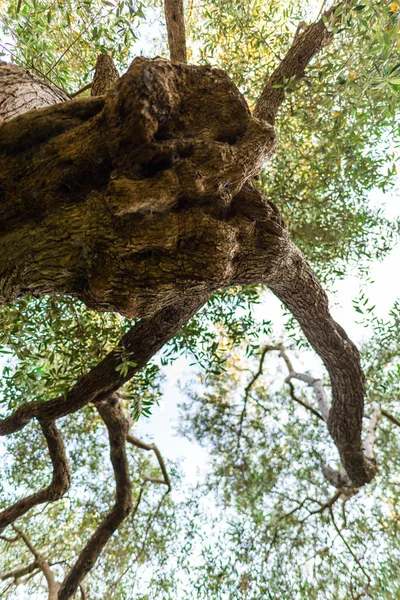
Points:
[(140, 344), (42, 564), (60, 481), (316, 384), (139, 444), (338, 478), (370, 437), (248, 389), (302, 403), (19, 572), (9, 540), (175, 21), (391, 417), (324, 506), (297, 287), (304, 47), (105, 75), (117, 425), (357, 560)]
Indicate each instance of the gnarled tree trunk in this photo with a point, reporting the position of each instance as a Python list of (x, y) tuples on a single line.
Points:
[(137, 200)]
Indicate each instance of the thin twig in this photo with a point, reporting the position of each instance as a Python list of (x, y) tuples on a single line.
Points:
[(74, 41), (357, 560)]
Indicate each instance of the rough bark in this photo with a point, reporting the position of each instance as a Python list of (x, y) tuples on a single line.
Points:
[(142, 201), (303, 295), (305, 46), (126, 201)]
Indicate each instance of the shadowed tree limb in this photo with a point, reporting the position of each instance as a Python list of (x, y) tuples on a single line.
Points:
[(255, 248), (302, 294), (60, 481), (166, 481), (105, 75), (175, 21)]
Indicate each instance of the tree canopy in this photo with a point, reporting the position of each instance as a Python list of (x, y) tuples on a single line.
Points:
[(277, 513)]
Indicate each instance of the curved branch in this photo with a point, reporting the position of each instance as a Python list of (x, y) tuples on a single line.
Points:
[(42, 564), (139, 444), (60, 481), (117, 425), (304, 47), (295, 284), (140, 344), (175, 21), (302, 403)]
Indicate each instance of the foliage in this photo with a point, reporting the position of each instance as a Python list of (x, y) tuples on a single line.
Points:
[(60, 40)]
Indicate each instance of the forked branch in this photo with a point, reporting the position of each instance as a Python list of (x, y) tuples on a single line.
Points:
[(338, 478), (139, 444), (42, 564), (117, 424)]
